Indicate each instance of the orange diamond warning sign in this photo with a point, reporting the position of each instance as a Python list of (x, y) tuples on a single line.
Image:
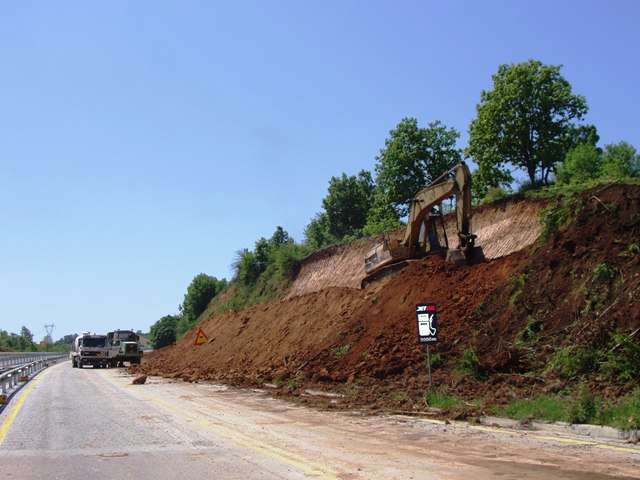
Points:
[(201, 338)]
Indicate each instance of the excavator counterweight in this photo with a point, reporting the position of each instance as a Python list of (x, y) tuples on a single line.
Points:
[(420, 237)]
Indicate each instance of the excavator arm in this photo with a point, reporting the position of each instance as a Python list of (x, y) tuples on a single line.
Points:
[(455, 182)]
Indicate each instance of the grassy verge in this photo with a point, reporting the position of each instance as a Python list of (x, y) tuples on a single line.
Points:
[(581, 407), (442, 400)]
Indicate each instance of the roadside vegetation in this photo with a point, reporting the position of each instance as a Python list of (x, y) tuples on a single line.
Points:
[(580, 406)]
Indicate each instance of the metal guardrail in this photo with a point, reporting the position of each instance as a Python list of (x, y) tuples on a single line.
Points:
[(31, 363), (13, 359)]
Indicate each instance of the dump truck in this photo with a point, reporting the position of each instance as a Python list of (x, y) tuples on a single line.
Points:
[(421, 235), (124, 346), (90, 349)]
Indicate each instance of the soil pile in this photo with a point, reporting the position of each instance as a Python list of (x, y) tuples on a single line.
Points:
[(507, 317)]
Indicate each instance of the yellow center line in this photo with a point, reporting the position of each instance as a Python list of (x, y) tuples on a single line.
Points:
[(16, 407)]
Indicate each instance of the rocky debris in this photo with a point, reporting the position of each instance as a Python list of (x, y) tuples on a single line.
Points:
[(139, 380)]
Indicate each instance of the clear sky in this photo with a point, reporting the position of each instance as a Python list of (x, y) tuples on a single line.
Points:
[(142, 143)]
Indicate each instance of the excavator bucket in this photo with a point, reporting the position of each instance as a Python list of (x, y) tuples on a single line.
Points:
[(377, 257), (469, 256), (383, 260)]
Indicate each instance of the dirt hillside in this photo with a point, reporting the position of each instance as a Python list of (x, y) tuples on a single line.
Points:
[(513, 311)]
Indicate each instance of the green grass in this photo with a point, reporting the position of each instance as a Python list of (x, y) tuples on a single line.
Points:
[(442, 400), (542, 407), (625, 414), (580, 407)]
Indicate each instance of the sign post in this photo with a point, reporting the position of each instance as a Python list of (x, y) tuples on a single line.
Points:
[(427, 318)]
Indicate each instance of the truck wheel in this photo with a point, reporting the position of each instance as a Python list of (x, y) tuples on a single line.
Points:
[(79, 363)]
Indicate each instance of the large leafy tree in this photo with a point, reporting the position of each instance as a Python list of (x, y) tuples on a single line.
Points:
[(412, 158), (382, 216), (527, 120), (347, 203), (200, 292), (164, 331)]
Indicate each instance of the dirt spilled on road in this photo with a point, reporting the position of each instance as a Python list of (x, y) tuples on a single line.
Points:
[(509, 314)]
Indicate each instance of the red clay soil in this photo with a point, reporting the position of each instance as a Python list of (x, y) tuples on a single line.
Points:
[(363, 342)]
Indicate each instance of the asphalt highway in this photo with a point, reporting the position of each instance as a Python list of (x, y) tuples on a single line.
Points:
[(76, 424)]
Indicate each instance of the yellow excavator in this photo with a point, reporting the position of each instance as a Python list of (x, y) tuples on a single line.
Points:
[(421, 236)]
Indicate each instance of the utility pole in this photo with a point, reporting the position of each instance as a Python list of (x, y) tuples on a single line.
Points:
[(48, 339)]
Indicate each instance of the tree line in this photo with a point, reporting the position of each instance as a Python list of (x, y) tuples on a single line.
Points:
[(23, 342), (528, 125)]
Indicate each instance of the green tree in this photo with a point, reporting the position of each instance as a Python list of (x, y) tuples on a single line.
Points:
[(526, 120), (200, 292), (486, 178), (620, 160), (26, 334), (382, 216), (317, 234), (580, 134), (164, 331), (581, 164), (347, 203), (280, 237), (412, 158)]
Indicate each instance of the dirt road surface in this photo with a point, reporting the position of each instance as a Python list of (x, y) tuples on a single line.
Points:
[(77, 424)]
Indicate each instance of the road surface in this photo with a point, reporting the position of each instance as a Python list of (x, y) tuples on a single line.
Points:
[(76, 424)]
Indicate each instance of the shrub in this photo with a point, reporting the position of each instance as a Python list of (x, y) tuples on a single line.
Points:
[(581, 407), (468, 363), (287, 259), (494, 194), (632, 250), (436, 360), (164, 331), (340, 352), (623, 359), (620, 161), (552, 218), (603, 272), (581, 164), (573, 360), (530, 331)]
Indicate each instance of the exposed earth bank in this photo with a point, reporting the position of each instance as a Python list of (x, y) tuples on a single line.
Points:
[(504, 322)]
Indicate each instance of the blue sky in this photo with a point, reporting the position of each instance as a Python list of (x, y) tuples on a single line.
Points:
[(144, 142)]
